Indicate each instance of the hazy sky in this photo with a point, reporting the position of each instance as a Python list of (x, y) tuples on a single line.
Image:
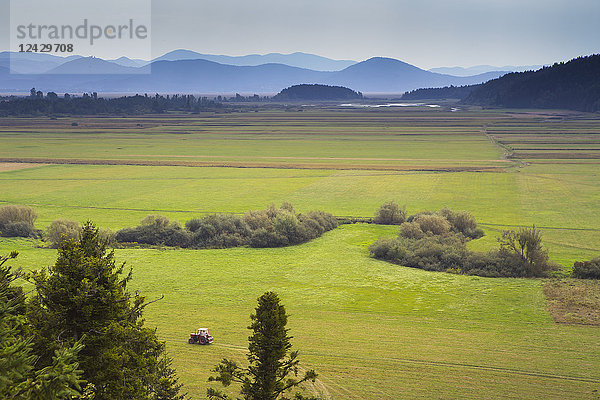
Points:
[(426, 33)]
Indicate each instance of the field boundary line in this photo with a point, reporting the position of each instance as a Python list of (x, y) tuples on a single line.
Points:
[(473, 366), (167, 163), (540, 227), (506, 150)]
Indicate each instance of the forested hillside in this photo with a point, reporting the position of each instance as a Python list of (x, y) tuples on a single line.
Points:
[(448, 92), (317, 92), (574, 85)]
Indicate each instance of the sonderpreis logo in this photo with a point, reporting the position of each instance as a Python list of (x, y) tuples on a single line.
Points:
[(109, 30)]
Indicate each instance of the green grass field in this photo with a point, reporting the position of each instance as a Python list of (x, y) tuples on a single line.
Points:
[(371, 329)]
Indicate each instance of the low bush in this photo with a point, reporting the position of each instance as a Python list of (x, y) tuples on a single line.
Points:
[(587, 269), (433, 224), (390, 213), (436, 253), (277, 227), (411, 230), (412, 217), (60, 230), (495, 264), (390, 249), (17, 221), (444, 222), (219, 231), (523, 249), (107, 236), (155, 230), (267, 238), (431, 253), (19, 229), (462, 222)]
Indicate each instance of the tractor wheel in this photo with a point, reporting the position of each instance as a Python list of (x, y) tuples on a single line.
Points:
[(202, 340), (191, 341)]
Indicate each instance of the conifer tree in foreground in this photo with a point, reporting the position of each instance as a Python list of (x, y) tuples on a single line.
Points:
[(83, 298), (273, 368), (20, 377)]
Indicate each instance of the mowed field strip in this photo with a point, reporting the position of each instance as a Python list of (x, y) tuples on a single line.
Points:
[(371, 329), (336, 140)]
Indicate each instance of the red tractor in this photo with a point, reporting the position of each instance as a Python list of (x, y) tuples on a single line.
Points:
[(201, 336)]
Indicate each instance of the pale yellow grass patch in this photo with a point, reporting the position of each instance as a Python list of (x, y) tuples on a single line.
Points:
[(14, 166)]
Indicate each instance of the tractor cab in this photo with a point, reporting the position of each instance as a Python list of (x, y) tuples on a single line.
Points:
[(201, 336)]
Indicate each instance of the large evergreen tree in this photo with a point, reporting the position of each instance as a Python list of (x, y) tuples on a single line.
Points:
[(273, 368), (19, 376), (83, 298)]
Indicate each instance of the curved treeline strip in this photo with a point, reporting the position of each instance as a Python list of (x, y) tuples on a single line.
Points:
[(436, 241), (273, 227)]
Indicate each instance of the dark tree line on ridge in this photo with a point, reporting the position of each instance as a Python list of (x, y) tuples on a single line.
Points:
[(90, 104), (38, 103), (448, 92), (572, 85)]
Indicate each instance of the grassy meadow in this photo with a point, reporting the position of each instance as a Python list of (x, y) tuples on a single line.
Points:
[(372, 330)]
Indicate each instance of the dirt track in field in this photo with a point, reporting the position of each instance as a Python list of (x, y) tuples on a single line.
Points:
[(240, 164), (314, 158)]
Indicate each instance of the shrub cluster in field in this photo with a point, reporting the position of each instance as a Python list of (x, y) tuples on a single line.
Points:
[(273, 227), (437, 242), (427, 222), (587, 269), (434, 241), (64, 229), (18, 221)]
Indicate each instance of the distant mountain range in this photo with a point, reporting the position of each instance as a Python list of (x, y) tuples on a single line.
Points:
[(376, 75), (300, 60), (32, 63), (482, 69), (29, 63), (184, 71)]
